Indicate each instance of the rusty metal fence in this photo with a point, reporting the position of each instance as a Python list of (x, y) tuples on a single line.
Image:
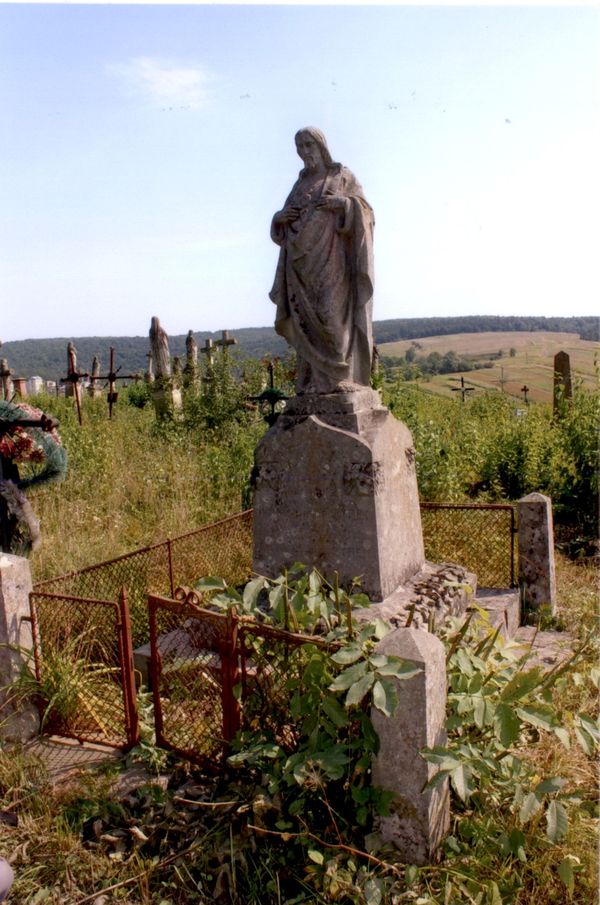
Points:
[(84, 668), (215, 673), (482, 538), (86, 625), (223, 548)]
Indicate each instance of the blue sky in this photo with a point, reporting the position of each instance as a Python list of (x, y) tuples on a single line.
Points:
[(145, 149)]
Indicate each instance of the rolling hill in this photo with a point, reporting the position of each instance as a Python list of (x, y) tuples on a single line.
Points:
[(48, 357)]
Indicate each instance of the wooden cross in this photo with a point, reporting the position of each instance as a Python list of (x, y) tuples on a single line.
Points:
[(462, 389), (112, 378), (525, 390), (74, 377), (226, 340)]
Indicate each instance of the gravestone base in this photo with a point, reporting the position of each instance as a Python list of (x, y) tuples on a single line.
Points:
[(167, 400), (336, 489)]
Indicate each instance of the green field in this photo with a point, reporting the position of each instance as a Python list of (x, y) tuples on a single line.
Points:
[(532, 363)]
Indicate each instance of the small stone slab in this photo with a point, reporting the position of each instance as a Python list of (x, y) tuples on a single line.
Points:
[(503, 606), (548, 649)]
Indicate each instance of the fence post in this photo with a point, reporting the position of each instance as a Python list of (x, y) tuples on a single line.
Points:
[(537, 578), (418, 819), (230, 677), (128, 671), (170, 557), (17, 724)]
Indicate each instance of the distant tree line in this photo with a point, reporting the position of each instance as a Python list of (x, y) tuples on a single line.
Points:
[(48, 357), (419, 327)]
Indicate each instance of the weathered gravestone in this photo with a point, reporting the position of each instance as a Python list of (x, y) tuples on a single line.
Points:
[(166, 397), (6, 378), (94, 389), (190, 371), (335, 480), (563, 386)]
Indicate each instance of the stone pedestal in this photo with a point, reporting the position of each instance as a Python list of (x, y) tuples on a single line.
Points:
[(336, 489), (15, 643), (418, 819), (537, 578), (166, 398)]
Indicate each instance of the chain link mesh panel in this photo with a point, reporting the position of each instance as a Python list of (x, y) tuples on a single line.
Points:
[(79, 668), (223, 549), (273, 666), (189, 667), (480, 538), (139, 572)]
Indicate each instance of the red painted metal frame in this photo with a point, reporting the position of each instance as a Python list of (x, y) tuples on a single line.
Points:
[(125, 659)]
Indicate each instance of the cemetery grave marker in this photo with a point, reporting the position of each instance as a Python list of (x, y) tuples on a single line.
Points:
[(72, 382), (111, 377)]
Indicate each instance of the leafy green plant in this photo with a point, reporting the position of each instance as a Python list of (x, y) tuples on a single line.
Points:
[(499, 708)]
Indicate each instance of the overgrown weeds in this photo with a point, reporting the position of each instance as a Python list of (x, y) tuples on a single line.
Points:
[(287, 822)]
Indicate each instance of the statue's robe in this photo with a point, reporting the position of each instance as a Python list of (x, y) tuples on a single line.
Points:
[(323, 285)]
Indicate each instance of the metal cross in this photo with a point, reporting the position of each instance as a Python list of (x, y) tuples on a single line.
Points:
[(525, 390), (271, 396), (462, 389), (112, 378)]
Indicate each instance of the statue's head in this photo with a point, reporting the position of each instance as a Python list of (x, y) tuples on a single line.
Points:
[(311, 143)]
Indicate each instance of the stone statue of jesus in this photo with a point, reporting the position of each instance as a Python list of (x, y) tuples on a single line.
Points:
[(323, 286)]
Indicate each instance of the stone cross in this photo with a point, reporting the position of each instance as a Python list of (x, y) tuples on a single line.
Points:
[(225, 341), (563, 387), (209, 350), (5, 376)]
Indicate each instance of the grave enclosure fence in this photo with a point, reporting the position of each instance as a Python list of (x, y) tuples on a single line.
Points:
[(87, 624)]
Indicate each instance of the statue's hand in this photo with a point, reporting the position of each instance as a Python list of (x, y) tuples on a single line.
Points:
[(331, 203), (287, 215)]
